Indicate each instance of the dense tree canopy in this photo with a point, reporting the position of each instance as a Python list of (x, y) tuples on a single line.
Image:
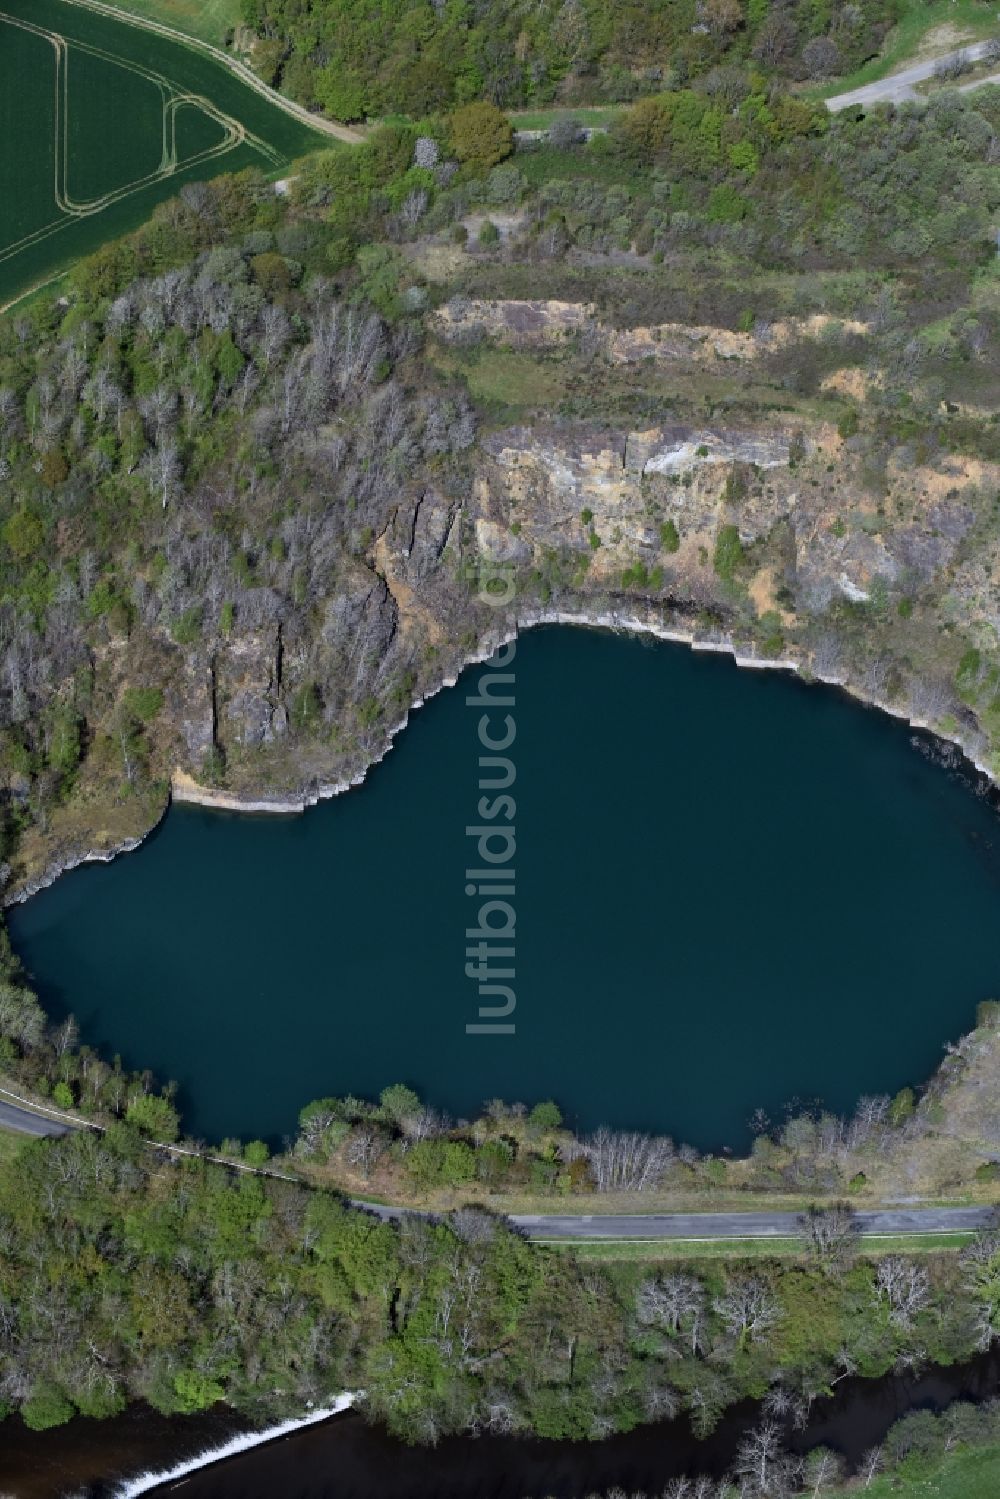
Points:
[(355, 58), (124, 1273)]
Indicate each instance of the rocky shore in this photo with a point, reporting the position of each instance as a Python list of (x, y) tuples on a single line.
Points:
[(608, 528), (185, 789)]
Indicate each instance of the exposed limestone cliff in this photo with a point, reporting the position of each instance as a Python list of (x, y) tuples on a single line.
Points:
[(547, 323), (596, 522)]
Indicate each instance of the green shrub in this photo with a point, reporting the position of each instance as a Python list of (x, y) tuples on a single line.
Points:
[(64, 744), (670, 536), (143, 703), (726, 205), (545, 1115), (47, 1407), (154, 1115), (306, 707), (441, 1163), (480, 134), (903, 1106), (493, 1161), (186, 629), (968, 669), (399, 1102), (728, 552), (24, 534), (196, 1391)]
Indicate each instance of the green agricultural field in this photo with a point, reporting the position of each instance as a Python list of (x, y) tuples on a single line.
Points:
[(100, 119), (210, 20)]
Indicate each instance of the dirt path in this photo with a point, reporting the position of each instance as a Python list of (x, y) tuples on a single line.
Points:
[(23, 296)]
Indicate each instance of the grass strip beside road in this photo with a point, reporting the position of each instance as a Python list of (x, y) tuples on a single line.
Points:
[(544, 119), (644, 1251)]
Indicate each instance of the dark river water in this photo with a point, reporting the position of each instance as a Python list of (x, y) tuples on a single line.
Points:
[(732, 891), (345, 1458)]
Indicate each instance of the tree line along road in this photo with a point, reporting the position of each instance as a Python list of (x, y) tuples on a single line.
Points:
[(742, 1225)]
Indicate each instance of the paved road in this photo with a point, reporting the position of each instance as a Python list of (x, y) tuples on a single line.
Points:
[(723, 1225), (742, 1225), (751, 1225), (899, 87), (27, 1123)]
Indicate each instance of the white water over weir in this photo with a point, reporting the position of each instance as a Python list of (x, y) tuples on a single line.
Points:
[(144, 1482)]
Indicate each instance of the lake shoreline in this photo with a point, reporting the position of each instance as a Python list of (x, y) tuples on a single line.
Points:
[(187, 791)]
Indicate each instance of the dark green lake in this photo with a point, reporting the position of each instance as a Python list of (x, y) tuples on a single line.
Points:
[(733, 891)]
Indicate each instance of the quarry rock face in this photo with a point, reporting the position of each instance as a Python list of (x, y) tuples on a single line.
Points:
[(592, 521)]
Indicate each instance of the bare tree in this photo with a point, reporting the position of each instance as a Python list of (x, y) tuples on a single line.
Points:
[(830, 1233), (365, 1147), (869, 1122), (763, 1464), (674, 1302), (747, 1309), (275, 333), (425, 1124), (871, 1466), (903, 1286), (822, 1471), (163, 470), (413, 209), (661, 1403), (474, 1225), (628, 1162), (930, 699), (159, 410), (65, 1036), (785, 1405)]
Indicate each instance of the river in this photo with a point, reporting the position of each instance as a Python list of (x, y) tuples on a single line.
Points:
[(733, 891), (345, 1458)]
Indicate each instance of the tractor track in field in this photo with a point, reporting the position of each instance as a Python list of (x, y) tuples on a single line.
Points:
[(174, 98), (241, 70)]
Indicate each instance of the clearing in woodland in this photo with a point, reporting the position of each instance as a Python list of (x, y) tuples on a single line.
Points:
[(100, 119)]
